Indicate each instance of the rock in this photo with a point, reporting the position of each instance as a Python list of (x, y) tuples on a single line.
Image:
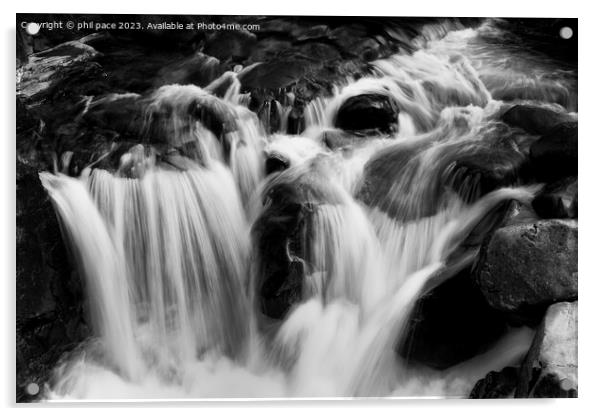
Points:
[(276, 162), (50, 316), (43, 68), (557, 200), (555, 155), (336, 139), (198, 69), (468, 168), (275, 74), (496, 385), (550, 368), (526, 267), (534, 120), (235, 45), (368, 112), (281, 236), (450, 324)]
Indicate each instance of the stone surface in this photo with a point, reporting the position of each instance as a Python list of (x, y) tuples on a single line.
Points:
[(450, 324), (368, 112), (535, 120), (496, 385), (550, 368), (526, 267), (557, 200), (555, 155)]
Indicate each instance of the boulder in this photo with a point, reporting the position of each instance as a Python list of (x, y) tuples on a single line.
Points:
[(527, 266), (534, 120), (368, 113), (550, 368), (557, 200), (451, 324), (496, 385), (555, 155)]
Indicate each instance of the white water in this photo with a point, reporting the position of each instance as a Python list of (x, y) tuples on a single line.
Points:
[(168, 255)]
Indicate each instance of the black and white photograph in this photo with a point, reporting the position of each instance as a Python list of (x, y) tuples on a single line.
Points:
[(270, 207)]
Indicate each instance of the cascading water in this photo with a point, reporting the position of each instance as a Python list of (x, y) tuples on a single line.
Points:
[(170, 255)]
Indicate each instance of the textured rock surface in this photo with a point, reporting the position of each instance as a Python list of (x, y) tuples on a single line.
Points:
[(527, 267), (496, 385), (550, 368)]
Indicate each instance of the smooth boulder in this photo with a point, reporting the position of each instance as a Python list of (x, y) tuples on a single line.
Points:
[(368, 113), (534, 120)]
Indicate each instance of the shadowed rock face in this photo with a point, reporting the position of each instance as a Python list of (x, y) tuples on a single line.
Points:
[(555, 155), (372, 112), (496, 385), (50, 311), (535, 120), (526, 267), (451, 324)]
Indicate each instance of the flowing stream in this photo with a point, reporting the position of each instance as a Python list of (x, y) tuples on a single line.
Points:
[(170, 258)]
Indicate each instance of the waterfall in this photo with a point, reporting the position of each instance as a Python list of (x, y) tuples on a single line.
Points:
[(176, 257)]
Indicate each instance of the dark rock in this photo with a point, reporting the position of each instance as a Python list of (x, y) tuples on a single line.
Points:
[(275, 163), (555, 155), (550, 368), (534, 120), (557, 200), (368, 112), (50, 315), (198, 69), (275, 74), (281, 236), (235, 45), (468, 168), (296, 121), (450, 324), (496, 385), (526, 267)]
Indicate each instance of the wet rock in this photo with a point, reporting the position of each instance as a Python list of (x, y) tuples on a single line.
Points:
[(550, 368), (368, 112), (526, 267), (276, 162), (479, 169), (275, 74), (534, 120), (43, 68), (281, 236), (555, 155), (336, 139), (451, 324), (557, 200), (198, 69), (496, 385), (50, 315), (471, 170), (235, 45)]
